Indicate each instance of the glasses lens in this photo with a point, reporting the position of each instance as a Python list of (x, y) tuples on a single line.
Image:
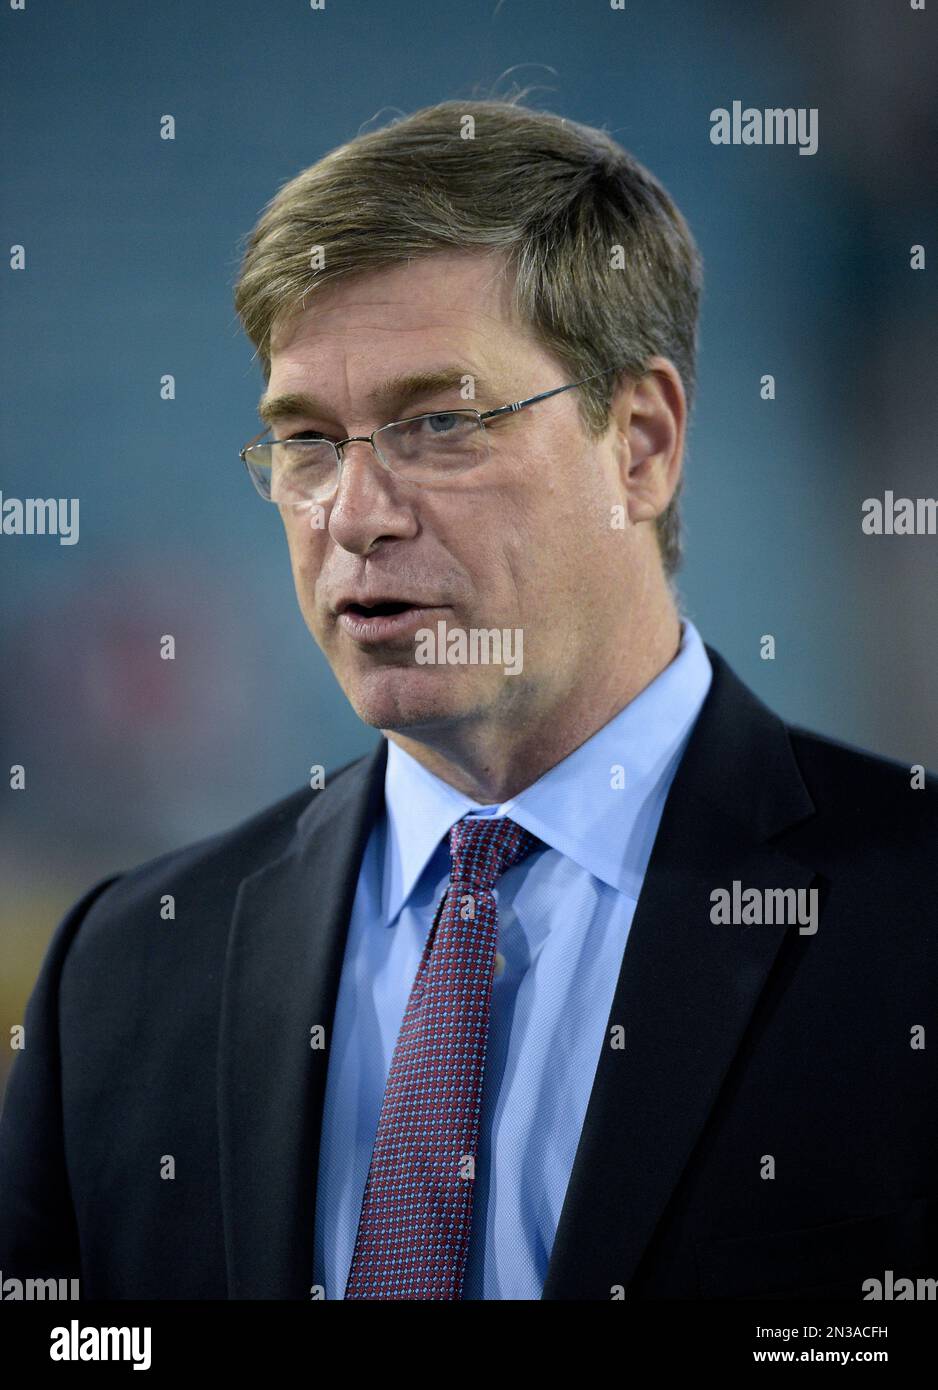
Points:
[(433, 446), (290, 471)]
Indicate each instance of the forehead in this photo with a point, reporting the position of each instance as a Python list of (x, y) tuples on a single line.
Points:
[(454, 301), (370, 348)]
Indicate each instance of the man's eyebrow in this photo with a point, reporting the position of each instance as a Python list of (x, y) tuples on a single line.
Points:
[(390, 396)]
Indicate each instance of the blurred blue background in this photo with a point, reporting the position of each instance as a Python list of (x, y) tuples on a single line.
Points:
[(132, 248)]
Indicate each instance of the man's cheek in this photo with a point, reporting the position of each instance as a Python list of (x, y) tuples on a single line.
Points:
[(306, 551)]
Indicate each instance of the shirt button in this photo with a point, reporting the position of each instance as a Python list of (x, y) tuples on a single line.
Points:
[(499, 963)]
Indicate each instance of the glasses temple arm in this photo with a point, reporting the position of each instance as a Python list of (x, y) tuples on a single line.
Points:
[(543, 395)]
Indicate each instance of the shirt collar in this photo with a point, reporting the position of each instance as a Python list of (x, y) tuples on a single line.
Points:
[(595, 806)]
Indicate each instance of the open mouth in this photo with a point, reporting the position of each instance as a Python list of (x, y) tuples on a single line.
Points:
[(394, 621), (378, 610)]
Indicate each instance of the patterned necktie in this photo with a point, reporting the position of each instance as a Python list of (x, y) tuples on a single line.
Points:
[(413, 1233)]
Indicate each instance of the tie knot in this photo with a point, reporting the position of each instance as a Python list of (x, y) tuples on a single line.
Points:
[(483, 848)]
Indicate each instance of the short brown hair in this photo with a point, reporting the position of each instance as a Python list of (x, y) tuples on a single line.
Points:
[(559, 198)]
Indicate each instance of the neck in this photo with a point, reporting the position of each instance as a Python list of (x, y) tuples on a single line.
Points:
[(494, 761)]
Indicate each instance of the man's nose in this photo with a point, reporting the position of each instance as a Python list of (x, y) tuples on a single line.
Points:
[(370, 504)]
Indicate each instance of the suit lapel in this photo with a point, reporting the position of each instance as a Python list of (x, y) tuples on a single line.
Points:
[(687, 988), (282, 971)]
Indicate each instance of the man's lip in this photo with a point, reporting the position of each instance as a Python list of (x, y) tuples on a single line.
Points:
[(389, 627)]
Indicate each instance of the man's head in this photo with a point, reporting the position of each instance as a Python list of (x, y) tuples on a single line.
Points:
[(531, 255)]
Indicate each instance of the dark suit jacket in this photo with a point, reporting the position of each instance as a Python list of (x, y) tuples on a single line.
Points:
[(191, 1038)]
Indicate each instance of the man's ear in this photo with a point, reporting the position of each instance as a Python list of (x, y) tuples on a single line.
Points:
[(651, 416)]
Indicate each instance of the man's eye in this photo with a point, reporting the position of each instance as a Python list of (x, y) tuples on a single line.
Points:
[(309, 435), (441, 422)]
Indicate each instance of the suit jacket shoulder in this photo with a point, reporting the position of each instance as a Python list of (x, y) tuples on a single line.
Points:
[(207, 871)]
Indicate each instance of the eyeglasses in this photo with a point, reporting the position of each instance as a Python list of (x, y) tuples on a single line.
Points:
[(421, 449)]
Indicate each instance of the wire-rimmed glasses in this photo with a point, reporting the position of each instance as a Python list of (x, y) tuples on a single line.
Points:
[(421, 449)]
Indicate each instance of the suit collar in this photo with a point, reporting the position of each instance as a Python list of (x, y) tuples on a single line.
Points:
[(597, 807), (685, 995), (741, 761), (282, 970), (687, 988)]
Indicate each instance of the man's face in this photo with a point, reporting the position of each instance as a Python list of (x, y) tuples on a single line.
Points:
[(522, 542)]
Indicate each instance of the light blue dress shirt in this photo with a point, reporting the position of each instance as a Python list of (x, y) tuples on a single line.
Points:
[(564, 915)]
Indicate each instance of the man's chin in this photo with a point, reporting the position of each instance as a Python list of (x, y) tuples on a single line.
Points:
[(397, 697)]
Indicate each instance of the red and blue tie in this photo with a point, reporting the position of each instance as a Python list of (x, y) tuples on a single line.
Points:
[(413, 1233)]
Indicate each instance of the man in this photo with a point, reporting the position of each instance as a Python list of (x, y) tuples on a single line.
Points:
[(596, 979)]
